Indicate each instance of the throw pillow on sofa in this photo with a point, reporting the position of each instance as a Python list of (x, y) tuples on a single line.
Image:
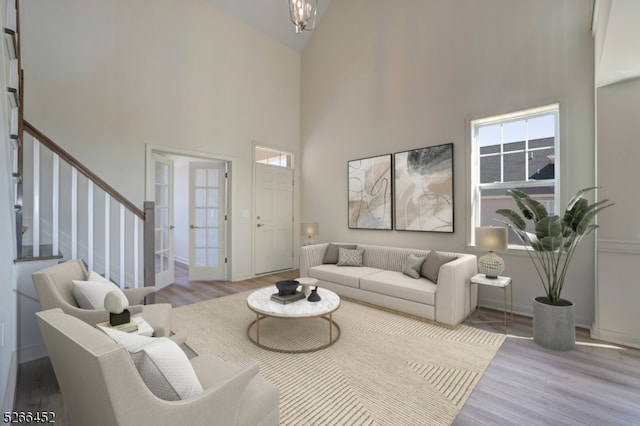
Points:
[(331, 254), (163, 366), (347, 257), (413, 265), (431, 266)]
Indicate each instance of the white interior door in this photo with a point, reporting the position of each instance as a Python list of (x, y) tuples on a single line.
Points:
[(164, 249), (274, 218), (207, 213)]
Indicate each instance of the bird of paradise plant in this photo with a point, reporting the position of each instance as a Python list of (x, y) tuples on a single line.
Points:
[(553, 243)]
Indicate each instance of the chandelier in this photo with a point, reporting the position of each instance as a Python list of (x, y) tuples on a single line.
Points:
[(303, 14)]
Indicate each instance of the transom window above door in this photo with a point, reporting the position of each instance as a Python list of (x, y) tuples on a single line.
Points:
[(273, 157)]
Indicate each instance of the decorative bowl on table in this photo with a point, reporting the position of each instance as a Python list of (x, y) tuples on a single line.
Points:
[(287, 287)]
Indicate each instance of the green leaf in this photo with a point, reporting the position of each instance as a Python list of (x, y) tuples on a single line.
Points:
[(534, 209), (514, 217), (549, 226), (579, 195), (551, 243)]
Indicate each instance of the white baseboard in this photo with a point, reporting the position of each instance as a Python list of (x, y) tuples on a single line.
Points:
[(615, 337)]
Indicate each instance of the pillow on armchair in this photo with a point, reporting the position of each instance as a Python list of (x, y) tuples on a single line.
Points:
[(163, 366), (90, 294)]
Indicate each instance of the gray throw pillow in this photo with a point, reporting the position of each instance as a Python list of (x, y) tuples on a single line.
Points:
[(331, 255), (431, 266), (347, 257), (412, 266)]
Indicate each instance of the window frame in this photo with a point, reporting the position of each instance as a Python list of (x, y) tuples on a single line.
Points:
[(476, 186)]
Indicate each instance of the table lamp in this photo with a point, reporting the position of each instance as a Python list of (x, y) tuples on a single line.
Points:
[(310, 229), (491, 238)]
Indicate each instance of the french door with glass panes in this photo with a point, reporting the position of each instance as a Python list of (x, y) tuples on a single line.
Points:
[(164, 249), (207, 213)]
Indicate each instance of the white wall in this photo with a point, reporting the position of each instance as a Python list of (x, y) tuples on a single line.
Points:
[(106, 77), (409, 74), (8, 307), (618, 289)]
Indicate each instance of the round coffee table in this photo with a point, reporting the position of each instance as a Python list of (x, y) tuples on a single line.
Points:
[(260, 302)]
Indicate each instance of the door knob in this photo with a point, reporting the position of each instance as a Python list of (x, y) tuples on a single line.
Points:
[(194, 227), (172, 227), (260, 224)]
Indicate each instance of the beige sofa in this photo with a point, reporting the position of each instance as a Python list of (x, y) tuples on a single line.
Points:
[(380, 281)]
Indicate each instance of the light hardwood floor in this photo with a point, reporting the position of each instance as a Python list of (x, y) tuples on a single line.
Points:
[(595, 384)]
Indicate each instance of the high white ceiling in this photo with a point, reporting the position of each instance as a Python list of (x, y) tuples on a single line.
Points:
[(271, 17), (620, 58)]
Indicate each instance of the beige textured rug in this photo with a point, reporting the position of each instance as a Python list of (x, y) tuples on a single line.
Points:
[(386, 369)]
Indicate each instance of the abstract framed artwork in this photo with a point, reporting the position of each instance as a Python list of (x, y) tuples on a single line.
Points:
[(370, 194), (424, 189)]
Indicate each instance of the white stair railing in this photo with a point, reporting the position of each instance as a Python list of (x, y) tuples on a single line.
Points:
[(73, 213)]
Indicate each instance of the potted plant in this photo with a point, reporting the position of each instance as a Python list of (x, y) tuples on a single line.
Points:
[(551, 247)]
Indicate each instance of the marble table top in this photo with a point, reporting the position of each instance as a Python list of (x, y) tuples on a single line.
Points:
[(260, 301)]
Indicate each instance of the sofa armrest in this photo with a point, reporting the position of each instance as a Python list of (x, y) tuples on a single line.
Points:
[(454, 296), (311, 256)]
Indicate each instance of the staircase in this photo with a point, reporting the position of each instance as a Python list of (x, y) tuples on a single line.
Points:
[(62, 209)]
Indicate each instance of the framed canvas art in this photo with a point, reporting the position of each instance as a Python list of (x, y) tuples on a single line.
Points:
[(370, 197), (424, 189)]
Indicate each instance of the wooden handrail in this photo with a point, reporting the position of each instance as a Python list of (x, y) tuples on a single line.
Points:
[(45, 140)]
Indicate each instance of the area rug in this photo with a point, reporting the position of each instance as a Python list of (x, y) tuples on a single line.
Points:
[(385, 369)]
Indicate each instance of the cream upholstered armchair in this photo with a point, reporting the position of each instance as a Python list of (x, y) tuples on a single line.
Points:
[(100, 384), (54, 286)]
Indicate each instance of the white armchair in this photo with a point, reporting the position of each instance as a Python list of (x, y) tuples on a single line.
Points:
[(101, 386), (54, 286)]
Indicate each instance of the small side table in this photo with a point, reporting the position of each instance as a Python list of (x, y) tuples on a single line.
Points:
[(144, 329), (501, 282)]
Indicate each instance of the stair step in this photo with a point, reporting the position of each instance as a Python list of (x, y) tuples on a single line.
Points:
[(46, 252)]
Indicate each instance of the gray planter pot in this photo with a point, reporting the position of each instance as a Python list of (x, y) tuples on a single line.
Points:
[(554, 326)]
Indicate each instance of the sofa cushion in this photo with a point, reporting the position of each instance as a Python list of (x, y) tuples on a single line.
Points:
[(163, 366), (347, 257), (431, 266), (397, 284), (412, 266), (398, 256), (331, 254), (341, 275), (375, 256)]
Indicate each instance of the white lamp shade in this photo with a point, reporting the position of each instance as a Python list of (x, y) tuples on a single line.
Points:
[(310, 228), (491, 238)]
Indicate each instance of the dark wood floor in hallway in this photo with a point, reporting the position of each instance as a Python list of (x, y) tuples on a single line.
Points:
[(595, 384)]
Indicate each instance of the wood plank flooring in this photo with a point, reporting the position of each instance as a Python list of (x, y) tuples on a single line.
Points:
[(595, 384)]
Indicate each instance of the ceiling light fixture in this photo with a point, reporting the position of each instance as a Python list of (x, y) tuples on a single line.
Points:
[(303, 14)]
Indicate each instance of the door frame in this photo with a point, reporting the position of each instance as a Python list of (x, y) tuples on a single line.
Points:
[(197, 156)]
